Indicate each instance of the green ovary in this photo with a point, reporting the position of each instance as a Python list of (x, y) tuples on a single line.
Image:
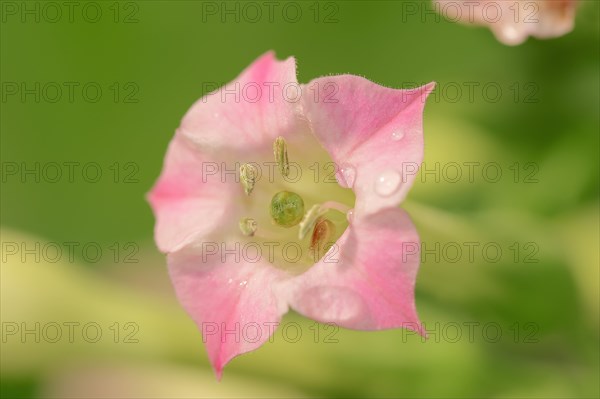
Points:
[(287, 209)]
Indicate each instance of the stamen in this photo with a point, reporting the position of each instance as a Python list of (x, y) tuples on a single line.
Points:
[(336, 205), (315, 212), (281, 156), (248, 226), (248, 173), (309, 220), (321, 239), (287, 208)]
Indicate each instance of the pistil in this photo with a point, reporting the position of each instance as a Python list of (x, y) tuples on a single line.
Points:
[(287, 208)]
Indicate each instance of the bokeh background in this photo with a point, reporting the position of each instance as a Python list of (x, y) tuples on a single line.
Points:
[(524, 324)]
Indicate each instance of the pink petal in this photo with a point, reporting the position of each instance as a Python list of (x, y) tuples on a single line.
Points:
[(187, 200), (368, 282), (373, 131), (512, 22), (250, 111), (557, 18), (227, 294)]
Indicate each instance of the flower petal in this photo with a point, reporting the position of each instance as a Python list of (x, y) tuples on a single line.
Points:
[(557, 18), (512, 22), (230, 298), (369, 284), (187, 200), (373, 130), (250, 111)]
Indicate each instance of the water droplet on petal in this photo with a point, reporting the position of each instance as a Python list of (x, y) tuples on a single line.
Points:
[(350, 215), (397, 135), (387, 183), (243, 283), (346, 176)]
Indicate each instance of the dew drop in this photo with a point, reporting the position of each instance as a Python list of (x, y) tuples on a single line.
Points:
[(243, 283), (346, 176), (387, 183), (350, 215), (398, 135)]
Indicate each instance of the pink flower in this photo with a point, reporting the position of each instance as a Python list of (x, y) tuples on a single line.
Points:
[(254, 222), (513, 21)]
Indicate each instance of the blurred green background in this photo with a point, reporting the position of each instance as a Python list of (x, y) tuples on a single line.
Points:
[(150, 60)]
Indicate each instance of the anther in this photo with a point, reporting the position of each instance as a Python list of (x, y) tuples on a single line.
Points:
[(248, 226), (309, 220), (321, 239), (248, 173), (281, 156)]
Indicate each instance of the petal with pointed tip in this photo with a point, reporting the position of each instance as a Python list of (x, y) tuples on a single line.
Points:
[(367, 281), (250, 111), (231, 300), (375, 129)]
